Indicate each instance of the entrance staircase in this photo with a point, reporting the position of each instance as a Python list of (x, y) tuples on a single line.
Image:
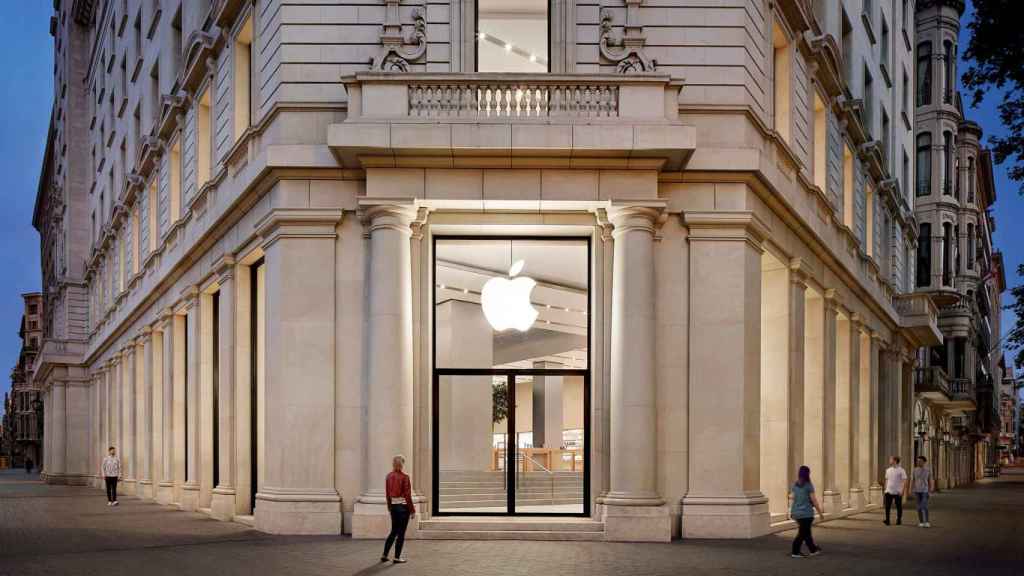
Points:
[(476, 491), (471, 490)]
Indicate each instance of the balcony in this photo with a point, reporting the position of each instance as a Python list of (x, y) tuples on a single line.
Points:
[(486, 120), (919, 316), (962, 395), (931, 382)]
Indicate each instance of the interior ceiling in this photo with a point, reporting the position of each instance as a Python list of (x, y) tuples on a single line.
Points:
[(561, 263), (494, 8)]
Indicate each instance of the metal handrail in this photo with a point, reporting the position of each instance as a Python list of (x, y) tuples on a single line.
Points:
[(551, 475)]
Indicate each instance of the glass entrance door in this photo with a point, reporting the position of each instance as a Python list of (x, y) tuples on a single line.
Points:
[(511, 443), (511, 394)]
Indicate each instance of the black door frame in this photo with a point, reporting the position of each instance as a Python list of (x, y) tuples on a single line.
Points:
[(512, 445)]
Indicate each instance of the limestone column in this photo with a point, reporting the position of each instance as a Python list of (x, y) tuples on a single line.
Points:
[(857, 495), (298, 494), (128, 416), (547, 407), (724, 499), (116, 412), (843, 438), (143, 416), (57, 410), (832, 499), (161, 404), (797, 335), (205, 402), (389, 356), (632, 509), (190, 489), (223, 502), (875, 424), (175, 371)]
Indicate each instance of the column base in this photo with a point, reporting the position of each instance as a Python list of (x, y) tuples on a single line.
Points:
[(875, 494), (165, 493), (725, 516), (222, 503), (623, 523), (190, 497), (858, 499), (370, 517), (127, 486), (280, 512), (98, 482), (832, 501), (144, 489)]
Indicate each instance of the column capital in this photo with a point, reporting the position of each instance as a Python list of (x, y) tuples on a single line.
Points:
[(833, 303), (739, 225), (189, 296), (397, 214), (298, 223), (859, 322), (799, 272), (224, 268), (144, 335), (629, 216)]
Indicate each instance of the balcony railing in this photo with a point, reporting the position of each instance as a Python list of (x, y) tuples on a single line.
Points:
[(961, 389), (931, 379), (919, 315), (513, 100)]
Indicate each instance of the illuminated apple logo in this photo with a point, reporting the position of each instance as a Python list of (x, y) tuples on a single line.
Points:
[(506, 301)]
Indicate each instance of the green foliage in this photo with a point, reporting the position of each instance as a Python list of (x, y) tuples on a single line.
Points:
[(499, 402), (995, 54)]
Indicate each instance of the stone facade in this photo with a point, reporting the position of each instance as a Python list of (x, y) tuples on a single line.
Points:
[(249, 309), (957, 383)]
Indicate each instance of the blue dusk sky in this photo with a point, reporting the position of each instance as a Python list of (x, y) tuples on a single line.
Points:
[(26, 91)]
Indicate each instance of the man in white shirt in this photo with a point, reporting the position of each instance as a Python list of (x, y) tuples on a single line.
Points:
[(895, 485), (110, 469)]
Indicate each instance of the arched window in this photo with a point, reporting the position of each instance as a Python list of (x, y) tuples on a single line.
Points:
[(947, 254), (949, 59), (924, 73), (947, 163), (924, 255), (970, 179), (924, 164), (970, 246)]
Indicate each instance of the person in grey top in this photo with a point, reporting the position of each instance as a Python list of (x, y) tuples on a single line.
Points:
[(922, 485)]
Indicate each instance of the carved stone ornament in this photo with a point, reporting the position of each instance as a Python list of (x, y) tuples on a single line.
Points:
[(399, 51), (626, 51)]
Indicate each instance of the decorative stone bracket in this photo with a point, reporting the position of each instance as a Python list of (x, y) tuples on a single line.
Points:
[(626, 51), (399, 51)]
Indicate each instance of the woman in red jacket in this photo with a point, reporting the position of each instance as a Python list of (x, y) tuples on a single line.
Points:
[(398, 490)]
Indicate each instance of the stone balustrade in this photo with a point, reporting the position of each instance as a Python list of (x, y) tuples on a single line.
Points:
[(919, 314), (529, 98)]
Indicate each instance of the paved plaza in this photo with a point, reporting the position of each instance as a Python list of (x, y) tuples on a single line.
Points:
[(70, 530)]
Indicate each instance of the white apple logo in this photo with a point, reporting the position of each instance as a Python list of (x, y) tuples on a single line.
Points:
[(506, 301)]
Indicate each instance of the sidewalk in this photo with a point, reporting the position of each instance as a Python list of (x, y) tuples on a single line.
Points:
[(70, 530)]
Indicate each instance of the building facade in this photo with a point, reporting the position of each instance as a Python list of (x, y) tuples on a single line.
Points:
[(957, 382), (21, 439), (625, 263)]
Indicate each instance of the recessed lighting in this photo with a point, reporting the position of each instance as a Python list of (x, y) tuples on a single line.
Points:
[(533, 57), (508, 47), (483, 36)]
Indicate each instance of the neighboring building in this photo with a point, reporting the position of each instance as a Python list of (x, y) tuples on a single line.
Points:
[(278, 243), (21, 437), (957, 266), (1008, 413)]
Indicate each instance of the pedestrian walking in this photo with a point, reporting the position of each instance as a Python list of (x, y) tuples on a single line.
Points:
[(895, 487), (398, 491), (28, 465), (923, 487), (110, 469), (802, 511)]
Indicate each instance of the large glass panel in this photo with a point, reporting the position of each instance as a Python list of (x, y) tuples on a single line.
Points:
[(472, 431), (512, 36), (490, 314), (550, 428)]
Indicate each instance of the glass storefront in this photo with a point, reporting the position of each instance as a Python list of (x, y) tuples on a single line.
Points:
[(511, 393)]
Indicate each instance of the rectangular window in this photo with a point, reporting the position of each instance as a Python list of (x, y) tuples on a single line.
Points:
[(847, 49), (970, 247), (782, 73), (243, 78), (868, 95), (869, 220), (884, 48), (154, 96), (174, 163), (924, 164), (906, 175), (847, 186), (512, 36), (176, 36), (820, 144), (151, 204), (924, 73), (885, 138), (204, 138), (135, 240)]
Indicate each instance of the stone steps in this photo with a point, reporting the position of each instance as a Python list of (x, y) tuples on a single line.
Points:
[(553, 529)]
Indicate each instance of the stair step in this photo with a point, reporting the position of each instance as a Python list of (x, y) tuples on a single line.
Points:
[(542, 535), (463, 524)]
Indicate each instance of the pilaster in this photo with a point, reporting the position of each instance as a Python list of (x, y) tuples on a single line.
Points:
[(298, 494), (190, 488), (144, 412), (223, 500), (832, 499), (724, 499)]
